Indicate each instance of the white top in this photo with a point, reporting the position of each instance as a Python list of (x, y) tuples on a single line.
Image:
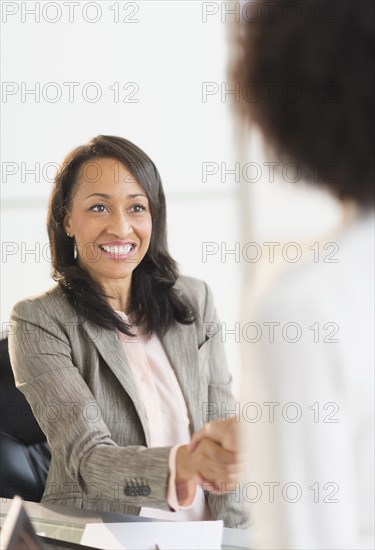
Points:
[(318, 373)]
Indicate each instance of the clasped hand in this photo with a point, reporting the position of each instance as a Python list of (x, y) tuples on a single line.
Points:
[(213, 458)]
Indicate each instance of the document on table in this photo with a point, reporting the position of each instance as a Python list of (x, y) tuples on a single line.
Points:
[(171, 535)]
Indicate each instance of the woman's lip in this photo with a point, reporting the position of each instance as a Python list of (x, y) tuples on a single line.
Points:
[(118, 256), (117, 243)]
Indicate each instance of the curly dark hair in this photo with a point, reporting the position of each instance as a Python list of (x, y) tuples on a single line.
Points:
[(307, 75), (155, 302)]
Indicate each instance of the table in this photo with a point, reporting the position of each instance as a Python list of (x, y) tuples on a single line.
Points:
[(68, 524)]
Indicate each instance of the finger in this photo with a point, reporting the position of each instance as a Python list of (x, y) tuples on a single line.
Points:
[(196, 438), (208, 464), (210, 469), (213, 451), (219, 488), (226, 433), (221, 476)]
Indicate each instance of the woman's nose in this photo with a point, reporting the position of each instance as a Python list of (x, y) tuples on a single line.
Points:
[(121, 225)]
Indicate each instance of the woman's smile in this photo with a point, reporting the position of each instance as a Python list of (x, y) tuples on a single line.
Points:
[(118, 250)]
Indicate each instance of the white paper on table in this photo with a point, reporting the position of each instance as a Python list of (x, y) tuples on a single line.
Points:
[(171, 535)]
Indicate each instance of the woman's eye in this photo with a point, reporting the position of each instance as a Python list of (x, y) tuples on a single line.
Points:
[(98, 208), (138, 208)]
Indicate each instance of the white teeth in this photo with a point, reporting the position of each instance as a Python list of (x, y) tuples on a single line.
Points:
[(118, 250)]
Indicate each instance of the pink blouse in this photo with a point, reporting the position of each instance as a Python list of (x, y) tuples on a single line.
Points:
[(166, 413)]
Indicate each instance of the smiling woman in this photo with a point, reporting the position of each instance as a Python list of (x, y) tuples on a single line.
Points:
[(109, 193), (110, 221), (121, 350)]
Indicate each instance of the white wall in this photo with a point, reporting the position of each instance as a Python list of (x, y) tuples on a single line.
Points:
[(166, 54), (165, 51)]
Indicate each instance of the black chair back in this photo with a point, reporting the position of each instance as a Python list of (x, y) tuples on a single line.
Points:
[(24, 452)]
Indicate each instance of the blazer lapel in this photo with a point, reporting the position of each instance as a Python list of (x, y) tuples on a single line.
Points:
[(111, 350), (180, 344)]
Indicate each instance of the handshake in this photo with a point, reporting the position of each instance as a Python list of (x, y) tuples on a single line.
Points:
[(213, 458)]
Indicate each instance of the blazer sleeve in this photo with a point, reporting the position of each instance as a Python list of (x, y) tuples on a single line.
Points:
[(58, 395), (229, 507)]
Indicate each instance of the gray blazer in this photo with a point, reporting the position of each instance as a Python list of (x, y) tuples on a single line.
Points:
[(77, 380)]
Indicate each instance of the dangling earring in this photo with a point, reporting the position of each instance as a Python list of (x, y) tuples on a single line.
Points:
[(75, 253)]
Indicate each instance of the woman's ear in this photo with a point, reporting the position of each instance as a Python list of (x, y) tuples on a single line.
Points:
[(67, 225)]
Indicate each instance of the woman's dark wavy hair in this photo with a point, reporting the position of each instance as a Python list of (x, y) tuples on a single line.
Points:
[(319, 58), (155, 303)]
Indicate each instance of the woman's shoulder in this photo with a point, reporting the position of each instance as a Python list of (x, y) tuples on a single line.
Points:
[(199, 295), (195, 290), (339, 275), (191, 285), (51, 304)]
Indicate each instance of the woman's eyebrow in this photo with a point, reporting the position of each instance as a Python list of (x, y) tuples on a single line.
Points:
[(105, 196), (99, 195), (133, 195)]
